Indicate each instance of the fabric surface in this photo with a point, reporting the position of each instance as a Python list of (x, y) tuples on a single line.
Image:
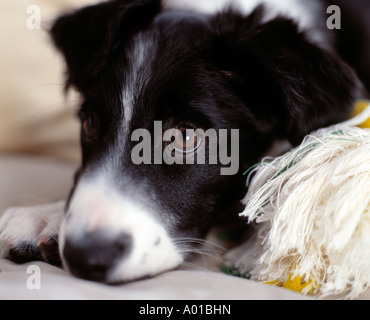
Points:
[(176, 285)]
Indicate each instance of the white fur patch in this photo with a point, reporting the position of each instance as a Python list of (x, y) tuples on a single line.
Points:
[(96, 206), (139, 56), (29, 225)]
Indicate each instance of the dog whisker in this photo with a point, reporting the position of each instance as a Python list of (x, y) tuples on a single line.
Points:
[(209, 250), (201, 242)]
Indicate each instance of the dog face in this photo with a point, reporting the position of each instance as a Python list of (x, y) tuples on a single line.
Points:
[(136, 63)]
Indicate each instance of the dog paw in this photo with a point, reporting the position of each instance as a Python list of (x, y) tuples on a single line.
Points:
[(31, 234)]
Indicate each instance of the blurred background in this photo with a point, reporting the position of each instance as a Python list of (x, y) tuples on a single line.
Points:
[(39, 132), (35, 116)]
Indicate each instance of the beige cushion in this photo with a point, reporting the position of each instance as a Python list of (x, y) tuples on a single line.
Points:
[(35, 117)]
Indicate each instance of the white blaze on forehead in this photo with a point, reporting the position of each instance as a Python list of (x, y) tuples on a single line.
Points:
[(140, 54), (97, 206), (306, 13)]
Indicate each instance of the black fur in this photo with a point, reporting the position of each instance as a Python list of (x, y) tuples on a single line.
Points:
[(225, 72), (90, 38), (353, 39)]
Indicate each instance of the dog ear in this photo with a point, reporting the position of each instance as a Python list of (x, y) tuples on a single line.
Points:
[(292, 84), (89, 38)]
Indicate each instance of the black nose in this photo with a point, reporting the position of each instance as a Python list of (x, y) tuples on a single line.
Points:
[(94, 255)]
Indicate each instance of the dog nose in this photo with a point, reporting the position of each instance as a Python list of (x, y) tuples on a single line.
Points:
[(94, 255)]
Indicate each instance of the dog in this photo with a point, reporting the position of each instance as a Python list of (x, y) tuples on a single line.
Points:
[(269, 69)]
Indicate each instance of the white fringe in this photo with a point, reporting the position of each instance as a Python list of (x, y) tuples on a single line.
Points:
[(314, 206)]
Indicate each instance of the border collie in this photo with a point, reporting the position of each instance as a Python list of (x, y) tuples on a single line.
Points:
[(266, 68)]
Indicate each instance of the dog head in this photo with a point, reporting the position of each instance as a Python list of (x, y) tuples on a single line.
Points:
[(138, 65)]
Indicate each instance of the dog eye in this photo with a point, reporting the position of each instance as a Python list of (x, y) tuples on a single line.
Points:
[(90, 127), (186, 140)]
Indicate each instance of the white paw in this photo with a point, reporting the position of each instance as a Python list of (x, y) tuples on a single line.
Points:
[(28, 234)]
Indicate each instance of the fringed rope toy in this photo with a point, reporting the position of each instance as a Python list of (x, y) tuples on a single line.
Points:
[(312, 213)]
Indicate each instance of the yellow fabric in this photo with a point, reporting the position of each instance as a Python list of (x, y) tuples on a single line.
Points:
[(360, 107), (296, 284)]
